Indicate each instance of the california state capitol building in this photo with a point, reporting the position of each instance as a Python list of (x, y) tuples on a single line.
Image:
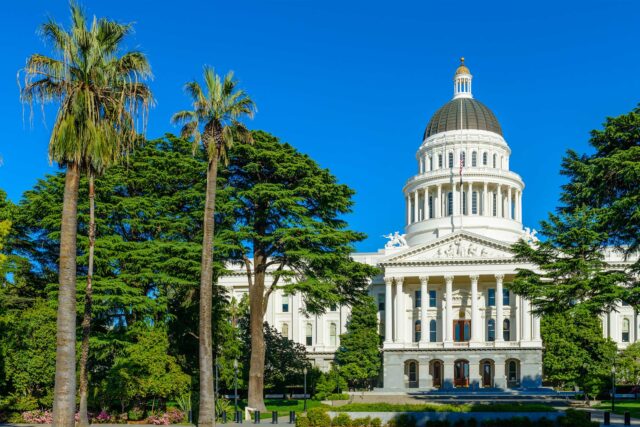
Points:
[(445, 311)]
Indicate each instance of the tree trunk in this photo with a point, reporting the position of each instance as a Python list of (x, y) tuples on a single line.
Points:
[(86, 320), (206, 414), (64, 400), (256, 322)]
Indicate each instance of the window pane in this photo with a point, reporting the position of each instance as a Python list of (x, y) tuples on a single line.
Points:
[(432, 298), (505, 297), (433, 330), (418, 299), (492, 297), (381, 298)]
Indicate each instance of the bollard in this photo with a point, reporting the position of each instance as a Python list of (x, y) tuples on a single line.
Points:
[(239, 417), (224, 417), (607, 418), (627, 418), (256, 417), (274, 417), (588, 416), (292, 417)]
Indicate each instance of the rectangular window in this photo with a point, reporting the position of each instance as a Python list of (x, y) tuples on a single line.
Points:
[(449, 203), (433, 331), (462, 330), (495, 204), (381, 299), (432, 298), (285, 303), (464, 203), (333, 307), (417, 303), (450, 160), (439, 161), (491, 297), (474, 203), (491, 330), (309, 334), (505, 297), (430, 163)]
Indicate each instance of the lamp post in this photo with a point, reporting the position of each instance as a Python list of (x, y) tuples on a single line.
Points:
[(235, 385), (304, 371), (613, 388)]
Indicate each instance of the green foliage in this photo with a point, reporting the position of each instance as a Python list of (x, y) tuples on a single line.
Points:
[(329, 383), (359, 356), (224, 406), (402, 420), (146, 370), (318, 417), (601, 207), (575, 351), (441, 407), (575, 418), (341, 420), (302, 421), (27, 351), (628, 364), (288, 214)]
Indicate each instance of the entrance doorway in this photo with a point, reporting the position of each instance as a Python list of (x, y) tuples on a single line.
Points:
[(411, 373), (461, 373), (486, 369), (436, 373), (461, 330)]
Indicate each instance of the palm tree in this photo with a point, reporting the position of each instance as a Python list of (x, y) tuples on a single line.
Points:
[(99, 95), (215, 123)]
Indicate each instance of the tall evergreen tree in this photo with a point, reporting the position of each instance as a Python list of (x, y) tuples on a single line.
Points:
[(359, 356), (215, 123), (99, 94), (288, 232)]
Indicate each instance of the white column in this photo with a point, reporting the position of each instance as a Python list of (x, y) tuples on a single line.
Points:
[(448, 323), (388, 310), (500, 204), (424, 303), (408, 209), (536, 328), (416, 205), (425, 204), (485, 201), (499, 313), (438, 203), (526, 320), (469, 191), (475, 315), (420, 165), (509, 204), (399, 313)]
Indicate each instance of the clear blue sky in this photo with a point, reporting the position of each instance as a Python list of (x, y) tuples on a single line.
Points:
[(354, 84)]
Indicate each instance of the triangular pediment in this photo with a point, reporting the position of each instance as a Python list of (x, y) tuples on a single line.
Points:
[(461, 246)]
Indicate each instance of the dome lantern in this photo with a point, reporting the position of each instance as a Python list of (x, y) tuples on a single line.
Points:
[(462, 82)]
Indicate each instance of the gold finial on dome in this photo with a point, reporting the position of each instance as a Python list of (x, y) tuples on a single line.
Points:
[(462, 69)]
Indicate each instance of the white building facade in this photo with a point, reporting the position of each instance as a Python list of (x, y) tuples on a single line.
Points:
[(446, 313)]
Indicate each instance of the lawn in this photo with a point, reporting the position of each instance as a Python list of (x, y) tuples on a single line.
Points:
[(631, 406), (283, 406), (446, 407)]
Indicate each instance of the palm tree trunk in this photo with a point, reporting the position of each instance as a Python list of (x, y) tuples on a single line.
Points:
[(88, 301), (64, 400), (256, 327), (206, 414)]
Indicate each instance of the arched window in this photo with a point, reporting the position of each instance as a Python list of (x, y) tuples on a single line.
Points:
[(495, 160), (417, 331), (474, 159), (491, 330), (285, 303), (433, 330), (474, 203), (512, 374), (430, 163), (501, 164), (485, 160), (463, 158), (439, 161), (285, 330), (506, 330), (464, 203), (332, 334), (625, 330), (450, 159), (449, 203), (309, 334)]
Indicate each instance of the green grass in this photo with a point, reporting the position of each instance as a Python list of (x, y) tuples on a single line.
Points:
[(283, 406), (631, 406), (436, 407)]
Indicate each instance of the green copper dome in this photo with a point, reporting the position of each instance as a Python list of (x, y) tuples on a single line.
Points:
[(462, 113)]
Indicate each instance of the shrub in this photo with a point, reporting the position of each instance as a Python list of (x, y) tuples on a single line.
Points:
[(575, 418), (175, 416), (302, 422), (102, 418), (158, 419), (338, 396), (224, 405), (37, 417), (135, 414), (402, 420), (318, 417), (361, 422), (437, 423), (342, 420), (376, 422)]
